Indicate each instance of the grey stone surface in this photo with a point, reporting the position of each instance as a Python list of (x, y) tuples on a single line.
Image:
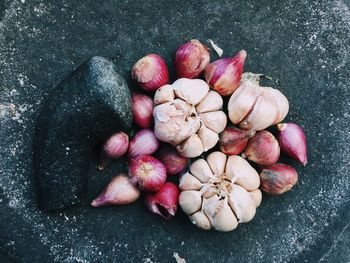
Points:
[(92, 103), (303, 45)]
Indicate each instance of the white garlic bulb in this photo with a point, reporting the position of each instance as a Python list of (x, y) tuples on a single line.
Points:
[(188, 115), (220, 192), (254, 107)]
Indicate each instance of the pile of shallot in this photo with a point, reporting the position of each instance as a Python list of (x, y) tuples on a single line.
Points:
[(190, 119)]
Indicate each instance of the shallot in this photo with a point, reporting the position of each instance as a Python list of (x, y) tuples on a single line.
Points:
[(144, 142), (174, 163), (224, 75), (263, 148), (150, 72), (293, 141), (120, 191), (233, 140), (191, 59), (164, 202), (148, 172), (142, 110), (278, 178), (113, 148)]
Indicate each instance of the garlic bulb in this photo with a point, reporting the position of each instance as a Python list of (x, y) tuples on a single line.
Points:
[(188, 116), (254, 107), (220, 192)]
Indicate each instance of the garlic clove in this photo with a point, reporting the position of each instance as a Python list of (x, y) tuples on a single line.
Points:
[(263, 114), (191, 147), (189, 182), (262, 149), (201, 170), (293, 141), (217, 162), (220, 214), (164, 94), (238, 170), (190, 201), (234, 140), (120, 191), (208, 137), (242, 101), (242, 204), (211, 102), (256, 195), (282, 105), (200, 220), (215, 120), (278, 178), (191, 90)]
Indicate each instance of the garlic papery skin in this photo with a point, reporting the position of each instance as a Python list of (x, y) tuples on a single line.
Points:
[(233, 140), (211, 102), (292, 140), (278, 178), (191, 58), (224, 75), (164, 94), (255, 107), (262, 149), (178, 123), (220, 192), (150, 72), (164, 202), (113, 148), (120, 191)]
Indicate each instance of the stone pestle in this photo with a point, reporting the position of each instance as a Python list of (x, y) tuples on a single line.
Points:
[(90, 104)]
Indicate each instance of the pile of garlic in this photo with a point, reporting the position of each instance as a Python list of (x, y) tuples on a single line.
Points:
[(188, 115), (220, 192)]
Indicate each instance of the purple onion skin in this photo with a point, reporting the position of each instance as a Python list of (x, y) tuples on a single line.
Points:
[(292, 140)]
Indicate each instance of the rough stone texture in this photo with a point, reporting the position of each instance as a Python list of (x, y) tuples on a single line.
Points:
[(90, 104), (304, 45)]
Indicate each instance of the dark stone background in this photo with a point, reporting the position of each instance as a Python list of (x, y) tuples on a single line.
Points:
[(303, 45)]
